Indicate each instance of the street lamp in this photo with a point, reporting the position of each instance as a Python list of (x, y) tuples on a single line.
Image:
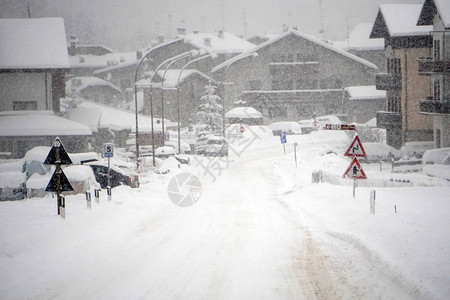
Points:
[(177, 57), (136, 105), (213, 55), (174, 60), (239, 57)]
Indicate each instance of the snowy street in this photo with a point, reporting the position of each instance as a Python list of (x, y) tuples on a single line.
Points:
[(261, 230)]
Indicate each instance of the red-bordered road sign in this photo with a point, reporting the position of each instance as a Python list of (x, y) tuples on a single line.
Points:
[(340, 127), (355, 171), (356, 148)]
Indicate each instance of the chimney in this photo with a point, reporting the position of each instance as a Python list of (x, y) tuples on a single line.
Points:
[(220, 34), (161, 38), (138, 54), (207, 41), (73, 45), (181, 30)]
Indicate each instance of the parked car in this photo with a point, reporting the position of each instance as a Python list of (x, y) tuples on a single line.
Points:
[(12, 186), (118, 175), (288, 127), (216, 146), (200, 144), (185, 148), (164, 151), (380, 152)]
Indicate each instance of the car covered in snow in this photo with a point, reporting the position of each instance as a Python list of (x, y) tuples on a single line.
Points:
[(216, 146), (288, 127), (119, 175), (200, 144), (377, 152)]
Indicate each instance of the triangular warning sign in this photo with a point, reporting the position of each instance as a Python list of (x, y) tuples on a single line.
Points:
[(52, 185), (58, 154), (355, 171), (356, 148)]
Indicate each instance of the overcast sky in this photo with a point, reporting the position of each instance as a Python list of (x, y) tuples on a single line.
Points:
[(126, 25)]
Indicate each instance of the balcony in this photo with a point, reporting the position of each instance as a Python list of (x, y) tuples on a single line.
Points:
[(428, 66), (434, 107), (388, 82), (388, 120)]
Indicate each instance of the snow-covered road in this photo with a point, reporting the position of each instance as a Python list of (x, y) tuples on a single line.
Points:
[(260, 230)]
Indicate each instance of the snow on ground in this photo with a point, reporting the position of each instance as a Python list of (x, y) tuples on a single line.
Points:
[(260, 230)]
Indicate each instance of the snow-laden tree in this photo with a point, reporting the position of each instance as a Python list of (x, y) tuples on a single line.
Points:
[(210, 110)]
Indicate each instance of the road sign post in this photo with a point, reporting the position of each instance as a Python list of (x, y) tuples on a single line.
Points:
[(283, 140), (59, 182), (295, 153), (108, 152), (354, 171)]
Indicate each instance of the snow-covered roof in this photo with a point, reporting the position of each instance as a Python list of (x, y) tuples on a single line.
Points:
[(443, 9), (365, 92), (225, 43), (401, 19), (106, 61), (80, 83), (113, 118), (359, 39), (32, 123), (33, 44), (171, 78), (243, 113), (301, 35)]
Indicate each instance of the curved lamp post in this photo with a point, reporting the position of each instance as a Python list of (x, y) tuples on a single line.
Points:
[(213, 55), (174, 60), (252, 54), (177, 57)]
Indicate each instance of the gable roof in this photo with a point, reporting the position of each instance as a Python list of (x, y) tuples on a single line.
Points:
[(78, 84), (39, 123), (432, 7), (359, 39), (397, 20), (223, 42), (298, 34), (171, 78), (33, 44)]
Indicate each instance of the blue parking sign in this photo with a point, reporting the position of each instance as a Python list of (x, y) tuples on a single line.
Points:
[(283, 137)]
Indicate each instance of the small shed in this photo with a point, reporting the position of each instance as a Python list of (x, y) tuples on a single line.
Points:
[(245, 115)]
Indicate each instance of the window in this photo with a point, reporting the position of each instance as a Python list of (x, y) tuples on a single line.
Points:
[(437, 50), (394, 103), (437, 90), (25, 105), (394, 66)]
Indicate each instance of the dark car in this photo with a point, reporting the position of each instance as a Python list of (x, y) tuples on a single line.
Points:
[(117, 176)]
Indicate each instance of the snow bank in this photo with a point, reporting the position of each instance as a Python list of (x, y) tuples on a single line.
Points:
[(11, 179)]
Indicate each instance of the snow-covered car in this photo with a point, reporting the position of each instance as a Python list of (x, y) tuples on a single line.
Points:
[(216, 146), (12, 186), (380, 152), (328, 119), (185, 148), (435, 156), (288, 127), (200, 144), (118, 175), (436, 163), (165, 151), (307, 126), (416, 149)]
